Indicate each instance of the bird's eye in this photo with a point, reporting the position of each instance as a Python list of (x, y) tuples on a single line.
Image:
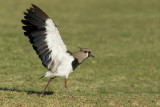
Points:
[(85, 51), (89, 52)]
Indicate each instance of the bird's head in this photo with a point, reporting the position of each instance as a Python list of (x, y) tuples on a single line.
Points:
[(86, 52), (82, 54)]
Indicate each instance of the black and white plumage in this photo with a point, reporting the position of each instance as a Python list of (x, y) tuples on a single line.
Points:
[(45, 38)]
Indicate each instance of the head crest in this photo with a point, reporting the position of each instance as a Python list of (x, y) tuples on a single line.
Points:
[(79, 47)]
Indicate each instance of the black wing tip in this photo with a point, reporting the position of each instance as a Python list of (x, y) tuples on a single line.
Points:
[(23, 27), (36, 11), (26, 33), (22, 21), (25, 22), (34, 19), (34, 6)]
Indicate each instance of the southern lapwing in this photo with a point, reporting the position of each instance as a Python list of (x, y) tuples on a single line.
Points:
[(45, 38)]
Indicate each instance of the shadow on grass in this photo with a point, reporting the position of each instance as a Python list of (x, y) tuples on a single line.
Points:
[(28, 91)]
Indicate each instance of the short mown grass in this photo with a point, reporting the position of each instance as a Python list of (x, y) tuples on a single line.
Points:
[(123, 35)]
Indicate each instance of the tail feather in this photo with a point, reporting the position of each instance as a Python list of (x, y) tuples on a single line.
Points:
[(41, 77)]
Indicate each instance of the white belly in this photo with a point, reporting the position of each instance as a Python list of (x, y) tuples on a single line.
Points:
[(63, 70)]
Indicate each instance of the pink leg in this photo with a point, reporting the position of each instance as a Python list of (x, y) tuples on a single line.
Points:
[(47, 84), (67, 88)]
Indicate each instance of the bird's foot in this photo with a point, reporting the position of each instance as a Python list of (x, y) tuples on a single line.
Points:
[(73, 97), (43, 92)]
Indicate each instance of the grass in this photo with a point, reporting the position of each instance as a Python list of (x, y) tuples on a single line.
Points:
[(123, 36)]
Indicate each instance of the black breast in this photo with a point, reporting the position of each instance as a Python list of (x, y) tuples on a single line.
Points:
[(75, 63)]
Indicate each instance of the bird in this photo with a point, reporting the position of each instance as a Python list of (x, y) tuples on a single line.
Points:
[(45, 39)]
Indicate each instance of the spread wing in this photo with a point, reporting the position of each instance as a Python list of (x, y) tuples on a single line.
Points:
[(44, 36)]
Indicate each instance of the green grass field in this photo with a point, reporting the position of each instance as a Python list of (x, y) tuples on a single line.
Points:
[(123, 35)]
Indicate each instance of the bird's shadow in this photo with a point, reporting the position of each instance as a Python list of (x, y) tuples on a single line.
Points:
[(27, 91)]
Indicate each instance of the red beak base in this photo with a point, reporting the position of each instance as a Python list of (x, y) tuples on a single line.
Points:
[(90, 55)]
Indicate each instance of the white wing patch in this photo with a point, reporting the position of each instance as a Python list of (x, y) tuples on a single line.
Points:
[(53, 37), (55, 44)]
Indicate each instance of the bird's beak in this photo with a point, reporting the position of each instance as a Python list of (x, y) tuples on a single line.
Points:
[(90, 55)]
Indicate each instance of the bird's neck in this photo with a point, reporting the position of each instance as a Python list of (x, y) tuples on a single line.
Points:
[(79, 56), (78, 59)]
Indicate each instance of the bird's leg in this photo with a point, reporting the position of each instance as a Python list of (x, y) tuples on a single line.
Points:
[(47, 84), (67, 88)]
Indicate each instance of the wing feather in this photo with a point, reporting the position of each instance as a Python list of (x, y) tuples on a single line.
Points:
[(44, 36)]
